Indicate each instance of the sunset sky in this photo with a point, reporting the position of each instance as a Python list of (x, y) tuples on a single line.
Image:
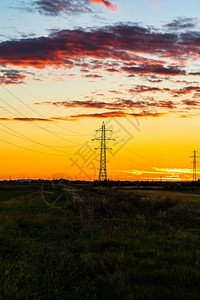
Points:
[(67, 66)]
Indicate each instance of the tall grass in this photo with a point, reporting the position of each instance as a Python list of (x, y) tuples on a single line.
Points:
[(105, 245)]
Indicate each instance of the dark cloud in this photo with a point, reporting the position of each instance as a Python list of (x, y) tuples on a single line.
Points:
[(11, 77), (155, 80), (194, 73), (144, 89), (186, 82), (122, 104), (94, 76), (164, 104), (55, 7), (182, 23), (176, 92), (157, 69), (26, 119), (108, 42), (113, 48), (191, 102), (87, 104), (187, 90)]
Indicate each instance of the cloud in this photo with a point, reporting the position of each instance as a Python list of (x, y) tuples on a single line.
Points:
[(155, 69), (122, 104), (155, 80), (116, 49), (184, 116), (177, 92), (94, 76), (56, 7), (26, 119), (107, 4), (182, 23), (83, 104), (144, 89), (164, 104), (194, 73), (187, 90), (191, 102), (111, 114), (61, 48), (188, 171), (11, 77)]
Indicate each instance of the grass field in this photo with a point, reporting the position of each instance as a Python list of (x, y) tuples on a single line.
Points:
[(154, 194), (105, 244)]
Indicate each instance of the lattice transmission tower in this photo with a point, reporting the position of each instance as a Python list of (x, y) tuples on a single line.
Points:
[(194, 163), (103, 148)]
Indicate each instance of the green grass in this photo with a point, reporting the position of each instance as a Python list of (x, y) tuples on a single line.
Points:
[(105, 245)]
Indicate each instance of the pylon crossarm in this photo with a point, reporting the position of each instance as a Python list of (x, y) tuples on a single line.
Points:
[(104, 130), (99, 148), (106, 139)]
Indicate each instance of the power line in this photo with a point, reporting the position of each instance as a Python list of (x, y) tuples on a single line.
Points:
[(22, 136), (69, 130), (25, 137), (24, 148), (32, 121), (29, 121)]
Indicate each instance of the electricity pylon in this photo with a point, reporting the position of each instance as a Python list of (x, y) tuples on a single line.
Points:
[(194, 156), (103, 148)]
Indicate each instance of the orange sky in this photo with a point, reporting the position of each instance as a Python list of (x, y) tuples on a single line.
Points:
[(145, 149)]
